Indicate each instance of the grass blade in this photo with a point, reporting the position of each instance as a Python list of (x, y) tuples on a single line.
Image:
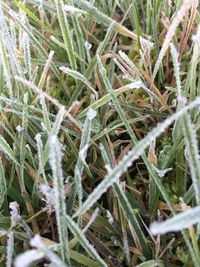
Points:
[(66, 32), (60, 206), (178, 222), (83, 153)]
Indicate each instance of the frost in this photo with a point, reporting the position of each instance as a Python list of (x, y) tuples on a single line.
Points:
[(83, 153), (38, 137), (14, 213), (108, 168), (88, 45), (73, 10), (27, 53), (110, 217), (161, 173), (147, 44), (10, 249), (182, 100), (91, 114), (19, 129), (25, 259), (196, 38), (48, 193), (36, 242)]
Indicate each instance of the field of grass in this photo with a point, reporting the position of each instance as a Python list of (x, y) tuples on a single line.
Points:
[(99, 131)]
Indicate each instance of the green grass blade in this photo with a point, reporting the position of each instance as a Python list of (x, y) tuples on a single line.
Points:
[(66, 32)]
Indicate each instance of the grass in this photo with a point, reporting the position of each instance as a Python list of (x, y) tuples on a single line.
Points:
[(99, 153)]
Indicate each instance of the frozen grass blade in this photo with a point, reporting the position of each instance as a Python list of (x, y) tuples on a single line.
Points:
[(54, 132), (66, 32), (189, 134), (45, 71), (45, 112), (41, 157), (5, 148), (3, 186), (10, 249), (23, 136), (55, 158), (78, 76), (83, 153), (6, 69), (178, 222), (192, 153), (83, 241), (194, 64), (27, 54), (14, 62), (106, 98)]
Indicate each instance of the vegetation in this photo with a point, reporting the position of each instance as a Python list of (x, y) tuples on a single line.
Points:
[(100, 117)]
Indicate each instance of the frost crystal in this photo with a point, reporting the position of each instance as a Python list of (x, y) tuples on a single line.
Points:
[(36, 242), (182, 100), (87, 45), (91, 114), (14, 213), (48, 193), (19, 129)]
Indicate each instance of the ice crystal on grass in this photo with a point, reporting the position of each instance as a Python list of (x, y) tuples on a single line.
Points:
[(48, 194)]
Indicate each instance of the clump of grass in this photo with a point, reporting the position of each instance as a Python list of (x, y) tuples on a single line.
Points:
[(99, 106)]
